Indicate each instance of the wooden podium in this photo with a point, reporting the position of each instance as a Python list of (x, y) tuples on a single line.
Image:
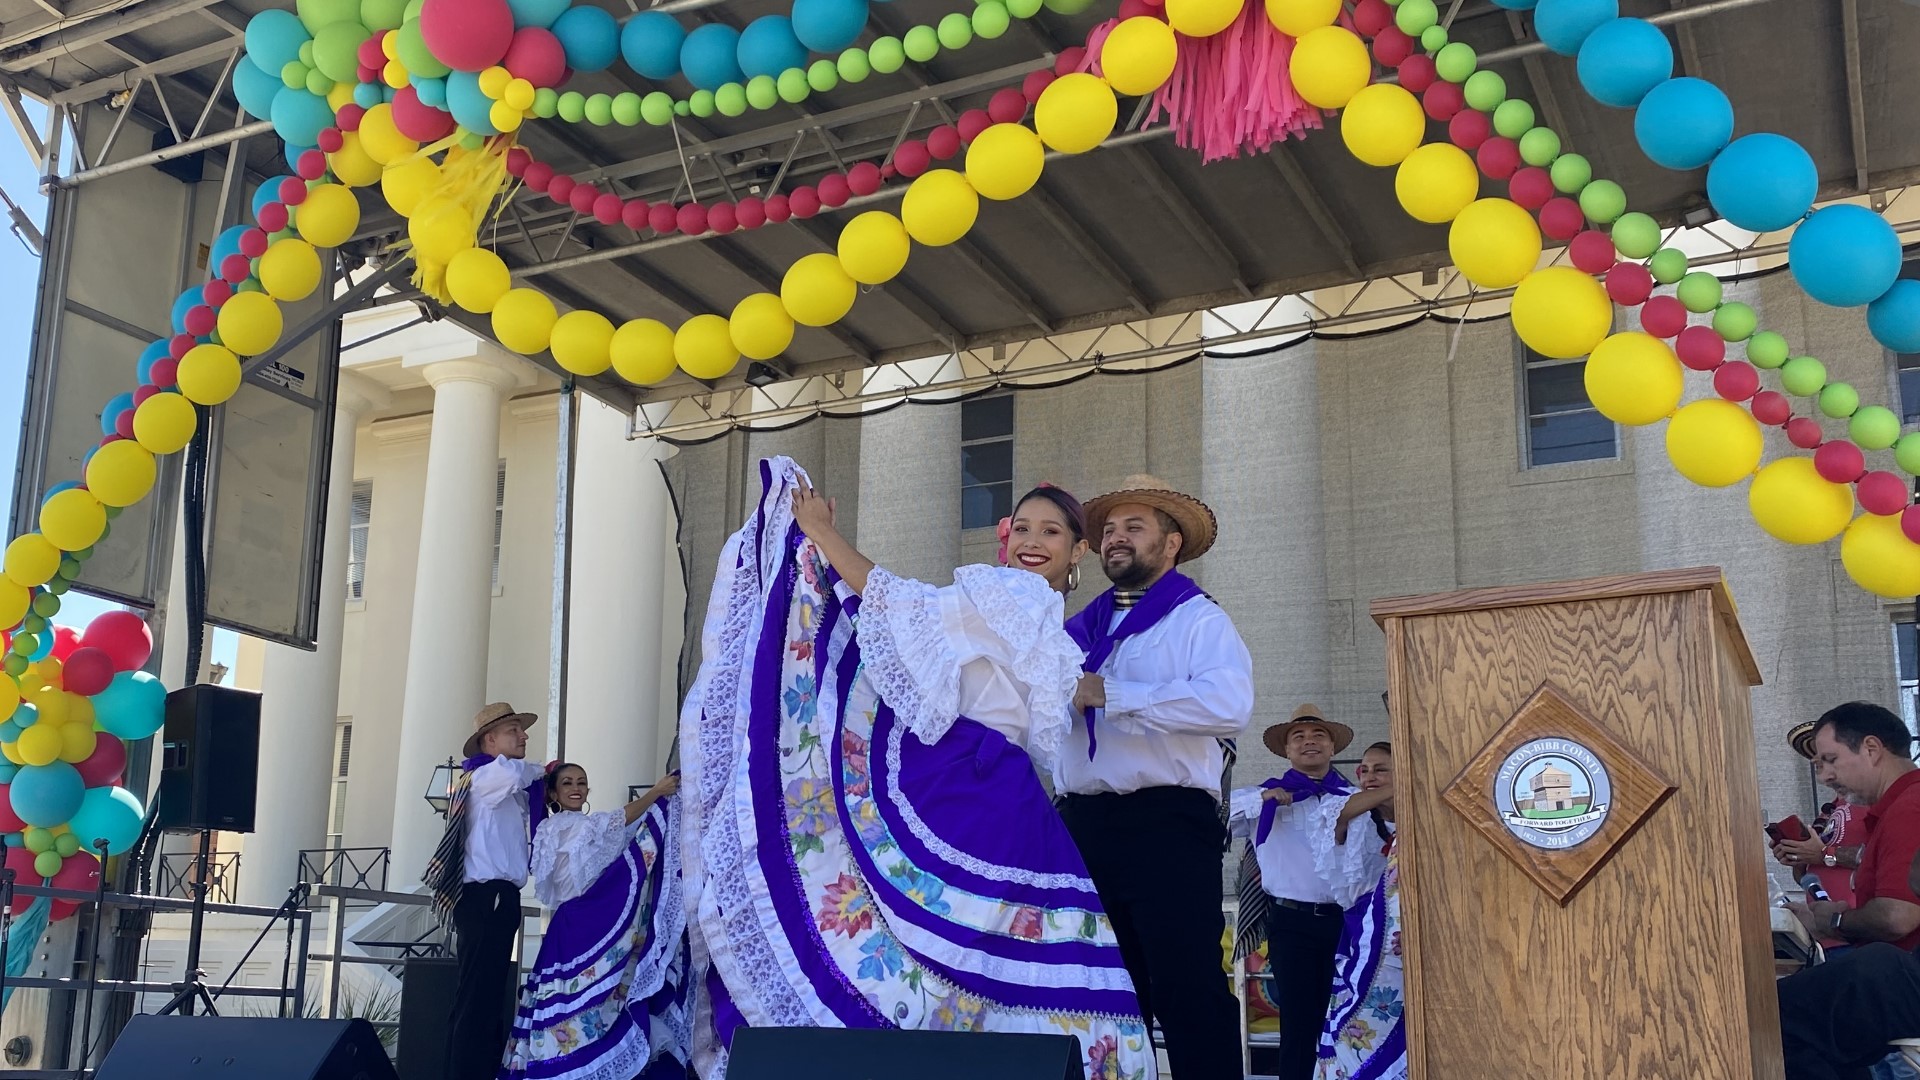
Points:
[(1583, 884)]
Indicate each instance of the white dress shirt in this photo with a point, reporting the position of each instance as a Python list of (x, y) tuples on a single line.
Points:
[(497, 844), (1287, 858), (1172, 692)]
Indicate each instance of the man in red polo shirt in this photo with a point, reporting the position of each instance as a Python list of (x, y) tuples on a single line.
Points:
[(1867, 750)]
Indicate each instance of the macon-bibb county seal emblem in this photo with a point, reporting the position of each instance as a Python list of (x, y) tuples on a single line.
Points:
[(1552, 793)]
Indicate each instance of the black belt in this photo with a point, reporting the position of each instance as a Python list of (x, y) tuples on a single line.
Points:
[(1311, 909)]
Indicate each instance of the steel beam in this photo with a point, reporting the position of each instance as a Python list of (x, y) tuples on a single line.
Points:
[(1856, 88), (1078, 237), (63, 41), (1663, 18), (23, 126), (1188, 215), (169, 65), (154, 157), (1297, 181), (1550, 110)]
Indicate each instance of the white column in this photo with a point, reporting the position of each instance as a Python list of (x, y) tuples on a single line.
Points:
[(300, 690), (452, 591)]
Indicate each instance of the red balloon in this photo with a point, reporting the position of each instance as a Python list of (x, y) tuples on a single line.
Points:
[(560, 188), (311, 165), (66, 641), (1839, 461), (1417, 73), (331, 140), (1131, 9), (633, 214), (1663, 317), (1392, 47), (293, 191), (1034, 85), (692, 219), (943, 142), (662, 219), (1700, 348), (142, 393), (234, 269), (535, 55), (538, 177), (1372, 17), (165, 372), (779, 208), (1736, 381), (253, 244), (1070, 60), (1443, 100), (1498, 157), (217, 292), (20, 861), (272, 217), (349, 116), (1468, 129), (365, 74), (123, 427), (1560, 219), (805, 202), (10, 821), (722, 218), (1008, 106), (1592, 251), (834, 190), (80, 872), (105, 765), (752, 212), (1910, 523), (369, 53), (467, 35), (1882, 493), (417, 120), (1771, 407), (914, 157), (123, 636), (581, 198), (972, 123), (517, 161), (1531, 187), (177, 347), (1629, 284), (606, 206), (201, 319), (864, 178), (1804, 432)]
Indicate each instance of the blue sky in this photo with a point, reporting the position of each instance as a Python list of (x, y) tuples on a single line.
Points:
[(20, 269)]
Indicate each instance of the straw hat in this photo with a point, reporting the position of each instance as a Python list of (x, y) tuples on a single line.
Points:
[(1800, 737), (1306, 716), (1196, 520), (490, 717)]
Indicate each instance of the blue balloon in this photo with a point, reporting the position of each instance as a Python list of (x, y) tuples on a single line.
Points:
[(274, 38), (132, 706), (14, 839), (116, 405), (8, 770), (227, 243), (1622, 60), (10, 732), (151, 355), (387, 94), (45, 648), (828, 26), (292, 153), (189, 299), (540, 13), (768, 47), (1683, 123), (468, 105), (299, 116), (1563, 25), (1894, 318), (1844, 255), (650, 43), (366, 95), (56, 489), (710, 56), (590, 38), (1762, 182), (266, 193), (1516, 5), (109, 813), (432, 91), (46, 795), (254, 88)]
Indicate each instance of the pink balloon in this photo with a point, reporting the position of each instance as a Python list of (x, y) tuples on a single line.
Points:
[(662, 219), (834, 190), (1736, 381), (106, 764), (312, 164), (141, 394), (1560, 219), (1498, 157), (972, 123), (722, 218), (235, 268), (253, 244), (538, 177), (912, 158), (122, 635), (1392, 47), (1070, 60), (1008, 105), (581, 198), (752, 212), (417, 120), (1417, 73), (944, 141), (1910, 523), (805, 202), (370, 54), (1771, 407), (1629, 284), (560, 188), (1663, 317), (1839, 461), (87, 671), (606, 209), (1469, 128), (517, 161), (467, 35), (1531, 187), (1134, 8), (1035, 84), (633, 214), (1881, 493), (1700, 348), (1443, 100), (349, 116), (272, 217), (1370, 17), (1593, 252), (217, 291), (123, 427), (66, 640), (201, 319), (165, 372), (779, 208), (1804, 432), (535, 55), (692, 219)]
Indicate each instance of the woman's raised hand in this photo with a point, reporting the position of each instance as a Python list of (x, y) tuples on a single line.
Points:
[(813, 512)]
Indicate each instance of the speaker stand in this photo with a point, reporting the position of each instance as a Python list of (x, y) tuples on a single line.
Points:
[(194, 987)]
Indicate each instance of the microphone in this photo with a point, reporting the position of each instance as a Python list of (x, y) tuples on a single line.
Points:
[(1815, 891)]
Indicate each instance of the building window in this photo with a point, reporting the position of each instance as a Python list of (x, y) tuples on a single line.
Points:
[(1562, 424), (337, 798), (499, 516), (986, 461), (1906, 366), (1906, 660), (361, 520)]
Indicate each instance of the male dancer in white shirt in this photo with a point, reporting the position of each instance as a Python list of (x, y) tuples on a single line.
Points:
[(1169, 683)]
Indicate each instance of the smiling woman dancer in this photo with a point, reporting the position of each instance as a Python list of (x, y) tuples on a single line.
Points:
[(858, 753)]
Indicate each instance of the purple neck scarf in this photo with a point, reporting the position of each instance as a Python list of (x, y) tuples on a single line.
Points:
[(1094, 632), (1300, 786), (536, 793)]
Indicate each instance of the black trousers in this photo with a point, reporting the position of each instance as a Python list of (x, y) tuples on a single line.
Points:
[(1155, 858), (1837, 1018), (485, 922), (1301, 946)]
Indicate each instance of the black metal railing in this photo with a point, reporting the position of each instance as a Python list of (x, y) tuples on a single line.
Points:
[(179, 872), (352, 868)]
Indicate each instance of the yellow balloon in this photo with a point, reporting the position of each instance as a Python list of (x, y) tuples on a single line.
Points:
[(71, 520), (504, 116), (14, 599), (290, 270), (519, 94), (816, 290), (1383, 124), (394, 74), (760, 325), (340, 96), (351, 164), (9, 697), (703, 346), (77, 741), (1714, 443), (873, 248), (1793, 502), (1137, 57), (1879, 557), (250, 323), (121, 473), (523, 320), (31, 560), (381, 138), (79, 710), (1561, 312), (1202, 18), (12, 752), (1004, 161), (939, 208), (164, 423), (209, 374), (581, 340), (1634, 378), (1494, 242), (39, 745), (494, 80), (406, 183), (1076, 113), (642, 351), (477, 279), (1296, 18), (440, 228), (1436, 182), (328, 217), (1329, 66)]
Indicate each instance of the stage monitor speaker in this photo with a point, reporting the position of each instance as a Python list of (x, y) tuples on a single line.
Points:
[(838, 1053), (192, 1047), (210, 759), (428, 986)]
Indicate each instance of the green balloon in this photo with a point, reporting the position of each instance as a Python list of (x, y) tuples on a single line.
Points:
[(626, 107), (336, 50), (1874, 427), (1433, 39), (1414, 16), (413, 10), (1668, 266), (33, 624), (58, 586), (1906, 454), (1570, 172), (114, 511), (294, 75), (572, 106), (1020, 9), (1067, 7), (657, 108), (25, 644), (1513, 118), (66, 844), (761, 92), (1803, 376), (731, 99), (681, 108), (1603, 202), (318, 84), (1455, 62), (1734, 321), (306, 54), (1635, 235), (414, 54), (853, 65), (923, 44), (316, 14), (991, 19), (1767, 349), (887, 54), (1699, 292), (793, 87), (37, 840), (1539, 147), (955, 31), (381, 15), (47, 863), (1485, 90), (69, 567), (701, 102), (15, 664), (252, 284), (546, 102), (599, 110), (823, 75), (1839, 400), (46, 606)]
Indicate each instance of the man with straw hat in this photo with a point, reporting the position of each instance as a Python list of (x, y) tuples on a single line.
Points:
[(476, 876), (1831, 851), (1169, 684)]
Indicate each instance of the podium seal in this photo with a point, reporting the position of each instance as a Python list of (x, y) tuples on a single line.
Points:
[(1552, 793)]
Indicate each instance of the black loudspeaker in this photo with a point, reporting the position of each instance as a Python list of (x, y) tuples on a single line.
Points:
[(841, 1053), (210, 759), (428, 986), (192, 1047)]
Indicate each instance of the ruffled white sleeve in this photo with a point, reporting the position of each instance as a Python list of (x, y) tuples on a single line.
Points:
[(571, 851), (1351, 869)]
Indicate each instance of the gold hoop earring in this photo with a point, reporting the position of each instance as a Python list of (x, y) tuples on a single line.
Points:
[(1073, 577)]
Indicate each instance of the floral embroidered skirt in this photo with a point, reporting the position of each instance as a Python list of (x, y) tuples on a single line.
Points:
[(1364, 1038)]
